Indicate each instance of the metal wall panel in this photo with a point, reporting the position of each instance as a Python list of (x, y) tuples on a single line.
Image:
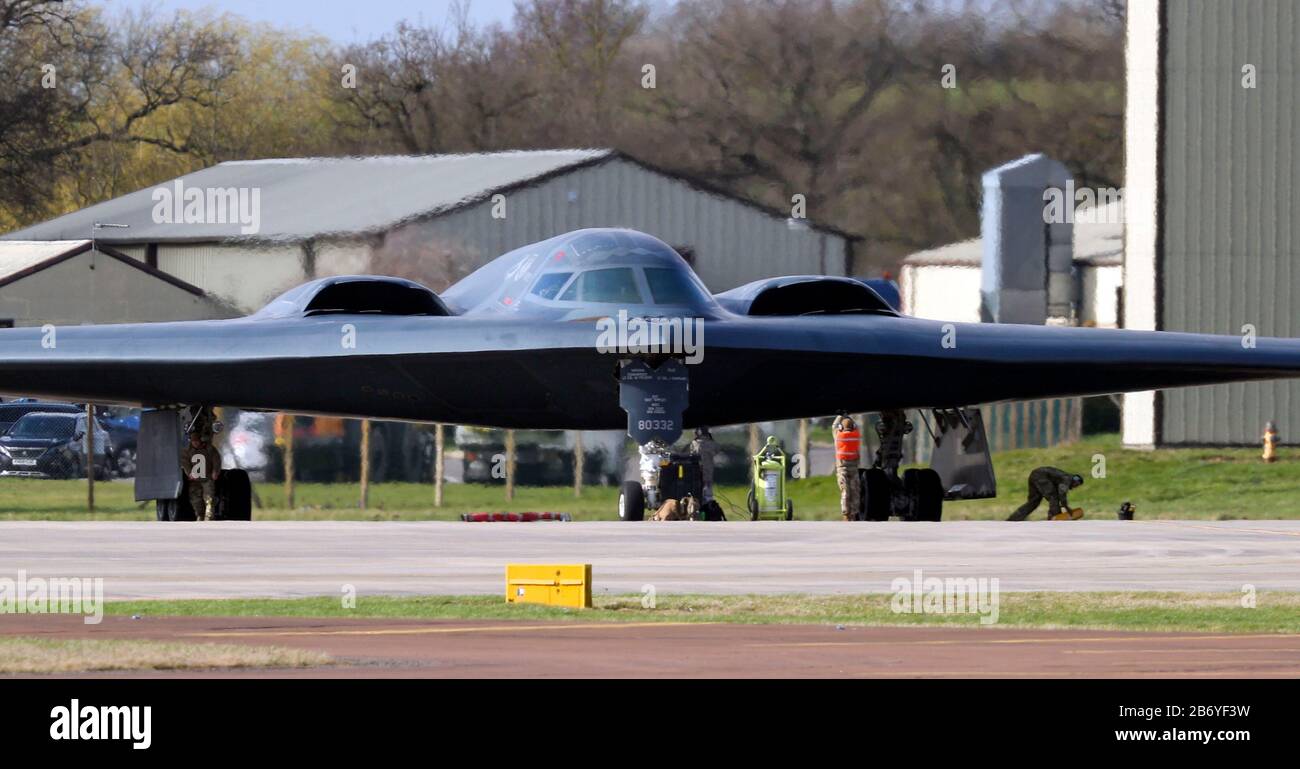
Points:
[(1231, 217), (734, 243)]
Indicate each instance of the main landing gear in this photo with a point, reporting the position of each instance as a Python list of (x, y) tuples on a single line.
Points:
[(234, 500), (158, 476), (916, 495)]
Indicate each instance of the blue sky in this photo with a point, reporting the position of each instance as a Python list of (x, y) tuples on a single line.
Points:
[(345, 21), (350, 21)]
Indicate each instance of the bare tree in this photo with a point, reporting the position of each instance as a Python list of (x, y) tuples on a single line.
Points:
[(75, 84)]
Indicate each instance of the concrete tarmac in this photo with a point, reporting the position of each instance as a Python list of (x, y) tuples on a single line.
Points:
[(283, 559)]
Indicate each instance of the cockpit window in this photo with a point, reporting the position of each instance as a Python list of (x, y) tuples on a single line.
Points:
[(614, 285), (669, 286), (548, 285)]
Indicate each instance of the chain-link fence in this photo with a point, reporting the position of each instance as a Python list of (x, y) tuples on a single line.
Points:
[(326, 467)]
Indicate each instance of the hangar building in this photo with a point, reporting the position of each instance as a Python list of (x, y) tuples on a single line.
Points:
[(433, 219), (1213, 232), (70, 282)]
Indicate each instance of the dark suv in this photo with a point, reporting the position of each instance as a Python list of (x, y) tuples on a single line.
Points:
[(12, 411), (53, 445)]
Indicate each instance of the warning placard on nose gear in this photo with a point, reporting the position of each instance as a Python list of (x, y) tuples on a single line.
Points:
[(654, 399)]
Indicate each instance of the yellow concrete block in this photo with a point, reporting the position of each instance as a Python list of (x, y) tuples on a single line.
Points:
[(549, 583)]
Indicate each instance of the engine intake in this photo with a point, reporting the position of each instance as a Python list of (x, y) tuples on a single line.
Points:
[(805, 295)]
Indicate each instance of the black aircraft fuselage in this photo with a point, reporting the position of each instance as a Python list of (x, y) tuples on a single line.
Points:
[(518, 344)]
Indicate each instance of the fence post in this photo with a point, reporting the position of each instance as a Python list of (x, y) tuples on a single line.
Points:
[(288, 461), (90, 458), (510, 465), (579, 463), (437, 465), (365, 463), (805, 460)]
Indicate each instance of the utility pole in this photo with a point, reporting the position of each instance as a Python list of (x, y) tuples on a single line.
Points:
[(90, 407), (579, 462), (365, 463), (437, 465), (90, 458), (510, 465)]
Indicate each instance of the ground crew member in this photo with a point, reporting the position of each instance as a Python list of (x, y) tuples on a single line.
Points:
[(706, 449), (848, 442), (672, 510), (1052, 484), (201, 466)]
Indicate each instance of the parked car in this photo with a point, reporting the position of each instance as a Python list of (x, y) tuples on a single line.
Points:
[(123, 425), (12, 411), (50, 444)]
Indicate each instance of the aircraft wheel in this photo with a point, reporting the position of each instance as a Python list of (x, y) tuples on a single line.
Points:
[(926, 490), (236, 495), (876, 492), (175, 509), (631, 502)]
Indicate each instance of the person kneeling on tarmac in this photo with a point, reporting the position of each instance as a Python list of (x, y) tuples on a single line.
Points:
[(1052, 484), (672, 510)]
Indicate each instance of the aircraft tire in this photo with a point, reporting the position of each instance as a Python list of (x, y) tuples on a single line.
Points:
[(175, 509), (631, 502), (236, 494), (926, 490), (875, 494)]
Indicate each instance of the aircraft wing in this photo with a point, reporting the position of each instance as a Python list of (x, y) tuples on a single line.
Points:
[(515, 372), (466, 370), (877, 362), (518, 344)]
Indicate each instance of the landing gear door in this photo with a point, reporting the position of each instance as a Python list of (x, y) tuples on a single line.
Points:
[(158, 451), (961, 455), (654, 399)]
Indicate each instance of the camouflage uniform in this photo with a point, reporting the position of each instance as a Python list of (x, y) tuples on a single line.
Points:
[(846, 470), (706, 449), (672, 510), (204, 462), (1047, 483)]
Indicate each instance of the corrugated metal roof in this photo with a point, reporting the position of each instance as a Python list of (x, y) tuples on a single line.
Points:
[(303, 198), (19, 255), (1095, 244)]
